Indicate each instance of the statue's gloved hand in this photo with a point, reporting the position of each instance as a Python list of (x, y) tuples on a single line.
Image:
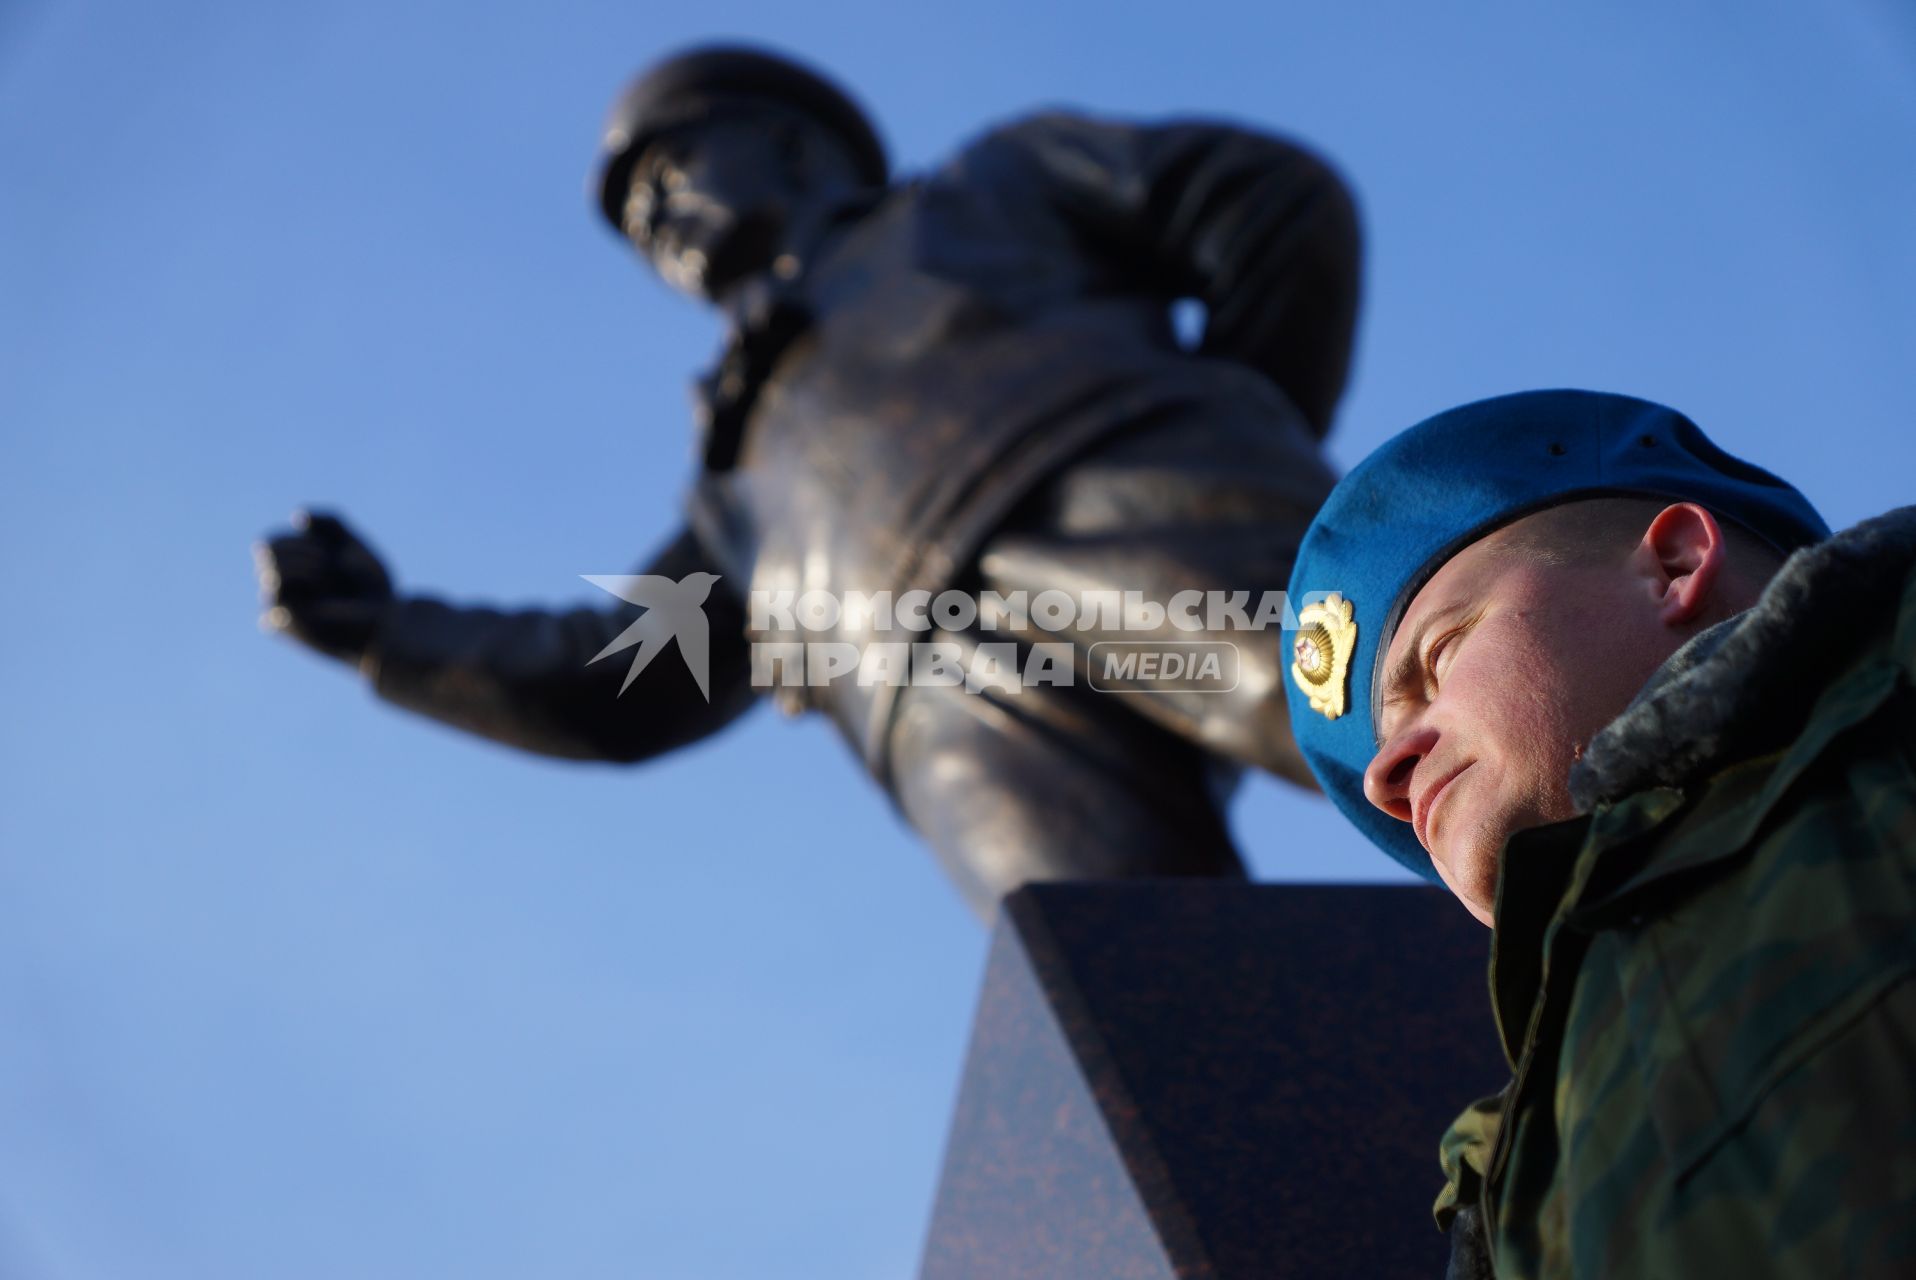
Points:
[(323, 586)]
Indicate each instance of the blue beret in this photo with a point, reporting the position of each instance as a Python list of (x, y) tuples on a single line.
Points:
[(1431, 491)]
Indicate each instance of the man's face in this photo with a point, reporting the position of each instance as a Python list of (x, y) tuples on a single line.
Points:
[(1502, 669), (710, 203)]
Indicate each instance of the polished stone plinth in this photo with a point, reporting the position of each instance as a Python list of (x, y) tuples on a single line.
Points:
[(1201, 1079)]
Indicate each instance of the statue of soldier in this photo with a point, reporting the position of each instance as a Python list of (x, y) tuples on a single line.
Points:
[(966, 381)]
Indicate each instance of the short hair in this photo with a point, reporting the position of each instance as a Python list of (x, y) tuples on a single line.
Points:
[(1595, 530)]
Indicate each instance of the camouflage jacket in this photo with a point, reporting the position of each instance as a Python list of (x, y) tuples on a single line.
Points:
[(1704, 985)]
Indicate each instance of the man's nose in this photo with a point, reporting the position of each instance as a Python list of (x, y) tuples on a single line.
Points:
[(1387, 780)]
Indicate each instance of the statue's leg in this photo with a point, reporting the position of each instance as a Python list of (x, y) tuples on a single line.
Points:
[(1055, 784)]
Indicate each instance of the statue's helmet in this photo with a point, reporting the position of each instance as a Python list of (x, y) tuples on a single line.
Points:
[(693, 85)]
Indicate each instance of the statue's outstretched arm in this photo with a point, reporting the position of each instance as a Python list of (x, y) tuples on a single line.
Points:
[(522, 677)]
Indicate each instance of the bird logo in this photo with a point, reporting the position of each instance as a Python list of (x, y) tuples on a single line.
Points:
[(672, 611)]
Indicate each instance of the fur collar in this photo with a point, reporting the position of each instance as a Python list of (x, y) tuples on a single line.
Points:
[(1746, 684)]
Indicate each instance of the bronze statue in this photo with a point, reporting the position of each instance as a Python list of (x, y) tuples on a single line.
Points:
[(966, 381)]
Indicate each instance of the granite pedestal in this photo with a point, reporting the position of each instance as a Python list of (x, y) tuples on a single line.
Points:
[(1202, 1079)]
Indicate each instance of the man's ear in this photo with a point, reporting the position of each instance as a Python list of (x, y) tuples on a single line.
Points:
[(1682, 554)]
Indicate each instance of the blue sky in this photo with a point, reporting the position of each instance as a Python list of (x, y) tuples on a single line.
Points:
[(294, 985)]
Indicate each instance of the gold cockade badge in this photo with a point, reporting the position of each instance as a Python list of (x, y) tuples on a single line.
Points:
[(1321, 657)]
